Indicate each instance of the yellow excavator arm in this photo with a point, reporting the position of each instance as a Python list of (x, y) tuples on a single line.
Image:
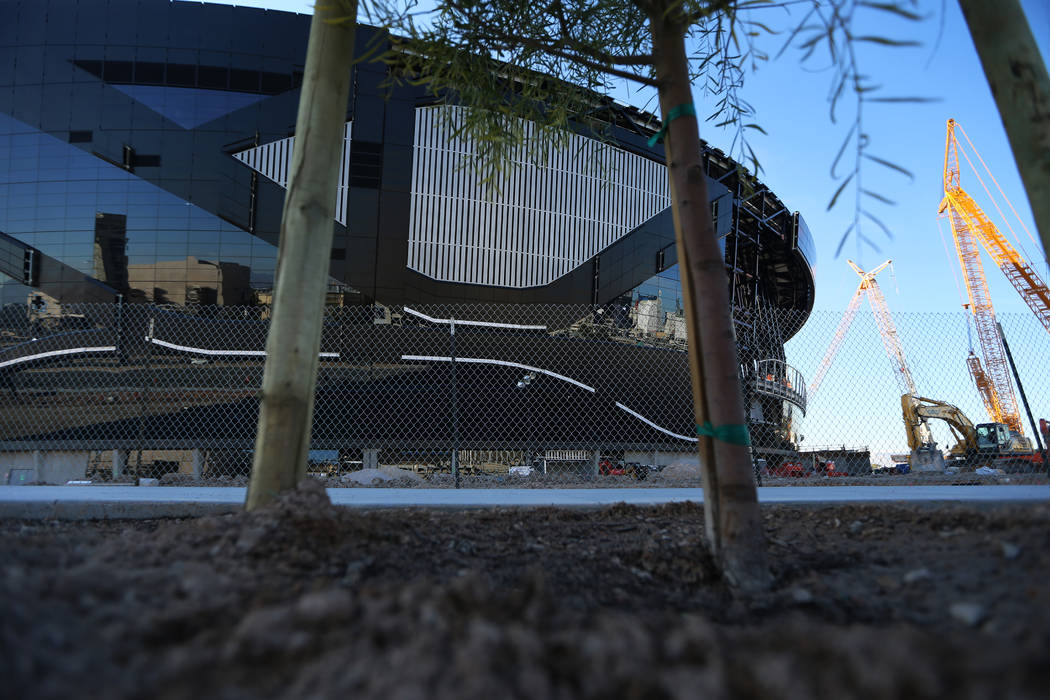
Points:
[(917, 409)]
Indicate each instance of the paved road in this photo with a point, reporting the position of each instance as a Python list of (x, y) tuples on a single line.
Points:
[(80, 502)]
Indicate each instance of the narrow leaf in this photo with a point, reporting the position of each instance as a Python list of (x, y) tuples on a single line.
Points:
[(891, 166), (845, 237), (842, 149), (878, 222), (885, 41), (876, 195), (903, 99), (839, 191), (891, 7)]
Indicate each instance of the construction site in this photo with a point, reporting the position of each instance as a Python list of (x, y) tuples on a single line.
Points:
[(1011, 439)]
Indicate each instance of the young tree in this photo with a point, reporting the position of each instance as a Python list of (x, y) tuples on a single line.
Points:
[(294, 341), (542, 60), (492, 58)]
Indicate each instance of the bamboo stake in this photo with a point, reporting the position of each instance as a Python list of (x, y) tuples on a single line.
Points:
[(294, 340)]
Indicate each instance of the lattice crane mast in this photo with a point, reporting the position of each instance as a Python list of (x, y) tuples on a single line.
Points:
[(870, 288), (969, 226), (894, 350)]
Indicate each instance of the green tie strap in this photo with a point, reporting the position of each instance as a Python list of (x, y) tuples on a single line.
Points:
[(685, 110), (733, 434)]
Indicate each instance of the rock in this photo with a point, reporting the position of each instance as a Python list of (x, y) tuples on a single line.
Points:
[(261, 631), (396, 473), (888, 582), (681, 469), (801, 596), (916, 575), (367, 477), (149, 482), (1010, 550), (641, 573), (856, 526), (249, 538), (198, 580), (324, 605), (355, 571), (970, 614)]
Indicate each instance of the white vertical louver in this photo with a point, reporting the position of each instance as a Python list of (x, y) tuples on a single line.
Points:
[(542, 221), (272, 161)]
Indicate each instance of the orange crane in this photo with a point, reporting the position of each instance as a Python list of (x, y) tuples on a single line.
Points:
[(971, 226)]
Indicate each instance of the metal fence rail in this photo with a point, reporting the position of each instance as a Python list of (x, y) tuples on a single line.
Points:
[(478, 396)]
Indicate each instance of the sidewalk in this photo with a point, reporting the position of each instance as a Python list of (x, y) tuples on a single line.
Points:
[(137, 502)]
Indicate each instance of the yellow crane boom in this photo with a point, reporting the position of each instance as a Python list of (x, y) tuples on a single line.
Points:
[(1032, 289), (969, 227)]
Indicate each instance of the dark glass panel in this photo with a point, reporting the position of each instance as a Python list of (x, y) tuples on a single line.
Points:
[(117, 71), (182, 75), (244, 80), (149, 73), (273, 83), (91, 66), (212, 77)]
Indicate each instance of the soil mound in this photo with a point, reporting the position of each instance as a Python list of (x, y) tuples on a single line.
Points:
[(304, 600)]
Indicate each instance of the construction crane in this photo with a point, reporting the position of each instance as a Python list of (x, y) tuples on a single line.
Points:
[(969, 226), (890, 340), (925, 455)]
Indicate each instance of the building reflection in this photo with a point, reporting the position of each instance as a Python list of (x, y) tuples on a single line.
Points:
[(190, 282)]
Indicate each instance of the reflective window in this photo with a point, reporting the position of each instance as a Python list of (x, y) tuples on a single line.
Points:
[(92, 215)]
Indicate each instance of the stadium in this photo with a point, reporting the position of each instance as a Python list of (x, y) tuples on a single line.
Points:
[(144, 151)]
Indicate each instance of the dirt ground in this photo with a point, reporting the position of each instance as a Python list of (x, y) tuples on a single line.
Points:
[(303, 600)]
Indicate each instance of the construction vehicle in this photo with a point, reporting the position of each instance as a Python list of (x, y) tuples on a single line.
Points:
[(969, 226), (986, 444)]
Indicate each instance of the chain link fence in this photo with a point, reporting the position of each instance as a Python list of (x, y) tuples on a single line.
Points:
[(486, 396)]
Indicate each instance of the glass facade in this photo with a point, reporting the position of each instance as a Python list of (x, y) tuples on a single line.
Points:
[(53, 194), (116, 123), (121, 124)]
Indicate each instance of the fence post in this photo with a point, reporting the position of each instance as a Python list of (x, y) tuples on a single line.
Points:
[(119, 339), (198, 464), (147, 372), (120, 462), (455, 402), (1024, 397)]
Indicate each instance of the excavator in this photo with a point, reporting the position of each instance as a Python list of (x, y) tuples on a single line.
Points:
[(986, 444)]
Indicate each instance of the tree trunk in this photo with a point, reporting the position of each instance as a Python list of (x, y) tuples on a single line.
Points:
[(732, 513), (1019, 81), (293, 344)]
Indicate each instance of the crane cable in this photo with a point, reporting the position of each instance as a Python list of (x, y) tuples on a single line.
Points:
[(995, 202), (952, 259)]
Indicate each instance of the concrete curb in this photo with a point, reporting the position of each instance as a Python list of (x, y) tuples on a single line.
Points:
[(137, 503)]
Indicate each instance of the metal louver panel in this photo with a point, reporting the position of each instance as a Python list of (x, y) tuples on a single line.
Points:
[(539, 222), (272, 161)]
